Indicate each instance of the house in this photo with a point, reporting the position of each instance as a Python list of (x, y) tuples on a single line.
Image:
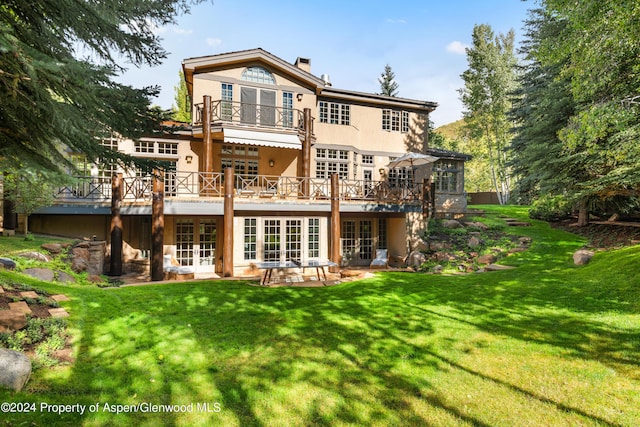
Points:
[(250, 179)]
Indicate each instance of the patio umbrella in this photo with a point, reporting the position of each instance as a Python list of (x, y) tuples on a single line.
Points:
[(412, 160)]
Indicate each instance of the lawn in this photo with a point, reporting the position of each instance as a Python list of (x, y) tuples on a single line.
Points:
[(544, 344)]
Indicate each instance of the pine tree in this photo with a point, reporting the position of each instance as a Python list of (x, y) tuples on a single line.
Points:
[(388, 85), (52, 100)]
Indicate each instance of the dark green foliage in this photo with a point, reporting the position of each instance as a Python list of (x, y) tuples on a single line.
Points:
[(550, 208), (58, 62)]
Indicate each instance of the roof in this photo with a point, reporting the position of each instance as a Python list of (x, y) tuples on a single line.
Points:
[(448, 154), (202, 64)]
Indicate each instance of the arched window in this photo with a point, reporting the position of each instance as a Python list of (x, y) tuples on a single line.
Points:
[(258, 75)]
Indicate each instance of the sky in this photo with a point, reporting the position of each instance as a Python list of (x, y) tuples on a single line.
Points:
[(351, 41)]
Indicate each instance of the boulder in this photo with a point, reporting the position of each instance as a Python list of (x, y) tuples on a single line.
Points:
[(487, 259), (452, 223), (15, 369), (36, 256), (43, 274), (416, 259), (52, 248), (12, 320), (420, 245), (64, 277), (80, 257), (582, 257), (7, 264), (473, 242), (477, 224)]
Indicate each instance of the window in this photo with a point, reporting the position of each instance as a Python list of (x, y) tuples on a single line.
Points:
[(330, 161), (184, 241), (287, 109), (168, 148), (250, 238), (400, 178), (382, 233), (226, 105), (258, 75), (144, 146), (445, 176), (271, 240), (243, 159), (395, 121), (314, 237), (335, 113), (367, 159)]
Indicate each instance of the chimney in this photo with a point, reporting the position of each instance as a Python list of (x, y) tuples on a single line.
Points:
[(325, 78), (304, 64)]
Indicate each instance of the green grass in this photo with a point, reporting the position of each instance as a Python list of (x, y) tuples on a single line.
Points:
[(547, 343)]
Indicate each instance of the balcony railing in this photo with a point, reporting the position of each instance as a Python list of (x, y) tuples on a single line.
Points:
[(211, 185), (251, 114)]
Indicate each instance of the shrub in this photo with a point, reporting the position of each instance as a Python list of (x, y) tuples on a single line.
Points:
[(550, 208)]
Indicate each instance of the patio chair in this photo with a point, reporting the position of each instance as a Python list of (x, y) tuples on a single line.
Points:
[(381, 260)]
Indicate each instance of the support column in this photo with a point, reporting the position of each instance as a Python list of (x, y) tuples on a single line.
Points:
[(206, 135), (157, 227), (116, 226), (335, 222), (227, 241), (306, 151)]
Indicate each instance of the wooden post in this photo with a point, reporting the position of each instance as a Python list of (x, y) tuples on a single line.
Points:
[(206, 135), (157, 227), (306, 151), (115, 263), (227, 241), (335, 222)]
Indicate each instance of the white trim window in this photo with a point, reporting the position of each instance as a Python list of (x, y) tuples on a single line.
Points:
[(445, 176), (330, 161), (395, 121), (243, 159), (335, 113)]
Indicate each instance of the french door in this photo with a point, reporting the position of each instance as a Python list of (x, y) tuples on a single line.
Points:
[(258, 106), (196, 243), (357, 241), (282, 240)]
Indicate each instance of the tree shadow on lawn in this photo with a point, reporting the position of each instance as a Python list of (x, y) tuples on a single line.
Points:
[(364, 352)]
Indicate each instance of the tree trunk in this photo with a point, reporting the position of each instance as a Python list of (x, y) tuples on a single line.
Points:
[(583, 214)]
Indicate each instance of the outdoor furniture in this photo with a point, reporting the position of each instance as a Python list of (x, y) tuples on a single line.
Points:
[(269, 266), (381, 260)]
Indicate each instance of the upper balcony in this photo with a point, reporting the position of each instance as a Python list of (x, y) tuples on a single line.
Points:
[(253, 115), (210, 186)]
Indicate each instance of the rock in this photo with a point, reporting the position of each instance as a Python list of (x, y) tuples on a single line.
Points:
[(473, 242), (479, 225), (487, 259), (64, 277), (517, 249), (7, 264), (80, 257), (582, 257), (439, 246), (498, 267), (452, 223), (421, 245), (525, 240), (36, 256), (94, 278), (43, 274), (12, 320), (437, 269), (416, 259), (15, 369), (130, 253), (52, 248)]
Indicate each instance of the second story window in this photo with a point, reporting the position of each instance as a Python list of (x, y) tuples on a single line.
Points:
[(243, 159), (287, 109), (367, 159), (395, 121), (258, 75), (335, 113), (330, 161), (226, 106)]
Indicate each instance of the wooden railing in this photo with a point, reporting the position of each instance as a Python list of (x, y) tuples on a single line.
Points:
[(211, 185), (251, 114)]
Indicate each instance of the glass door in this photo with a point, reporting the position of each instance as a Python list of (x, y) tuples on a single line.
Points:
[(196, 244)]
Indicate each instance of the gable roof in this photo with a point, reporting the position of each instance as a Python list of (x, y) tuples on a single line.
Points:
[(202, 64)]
